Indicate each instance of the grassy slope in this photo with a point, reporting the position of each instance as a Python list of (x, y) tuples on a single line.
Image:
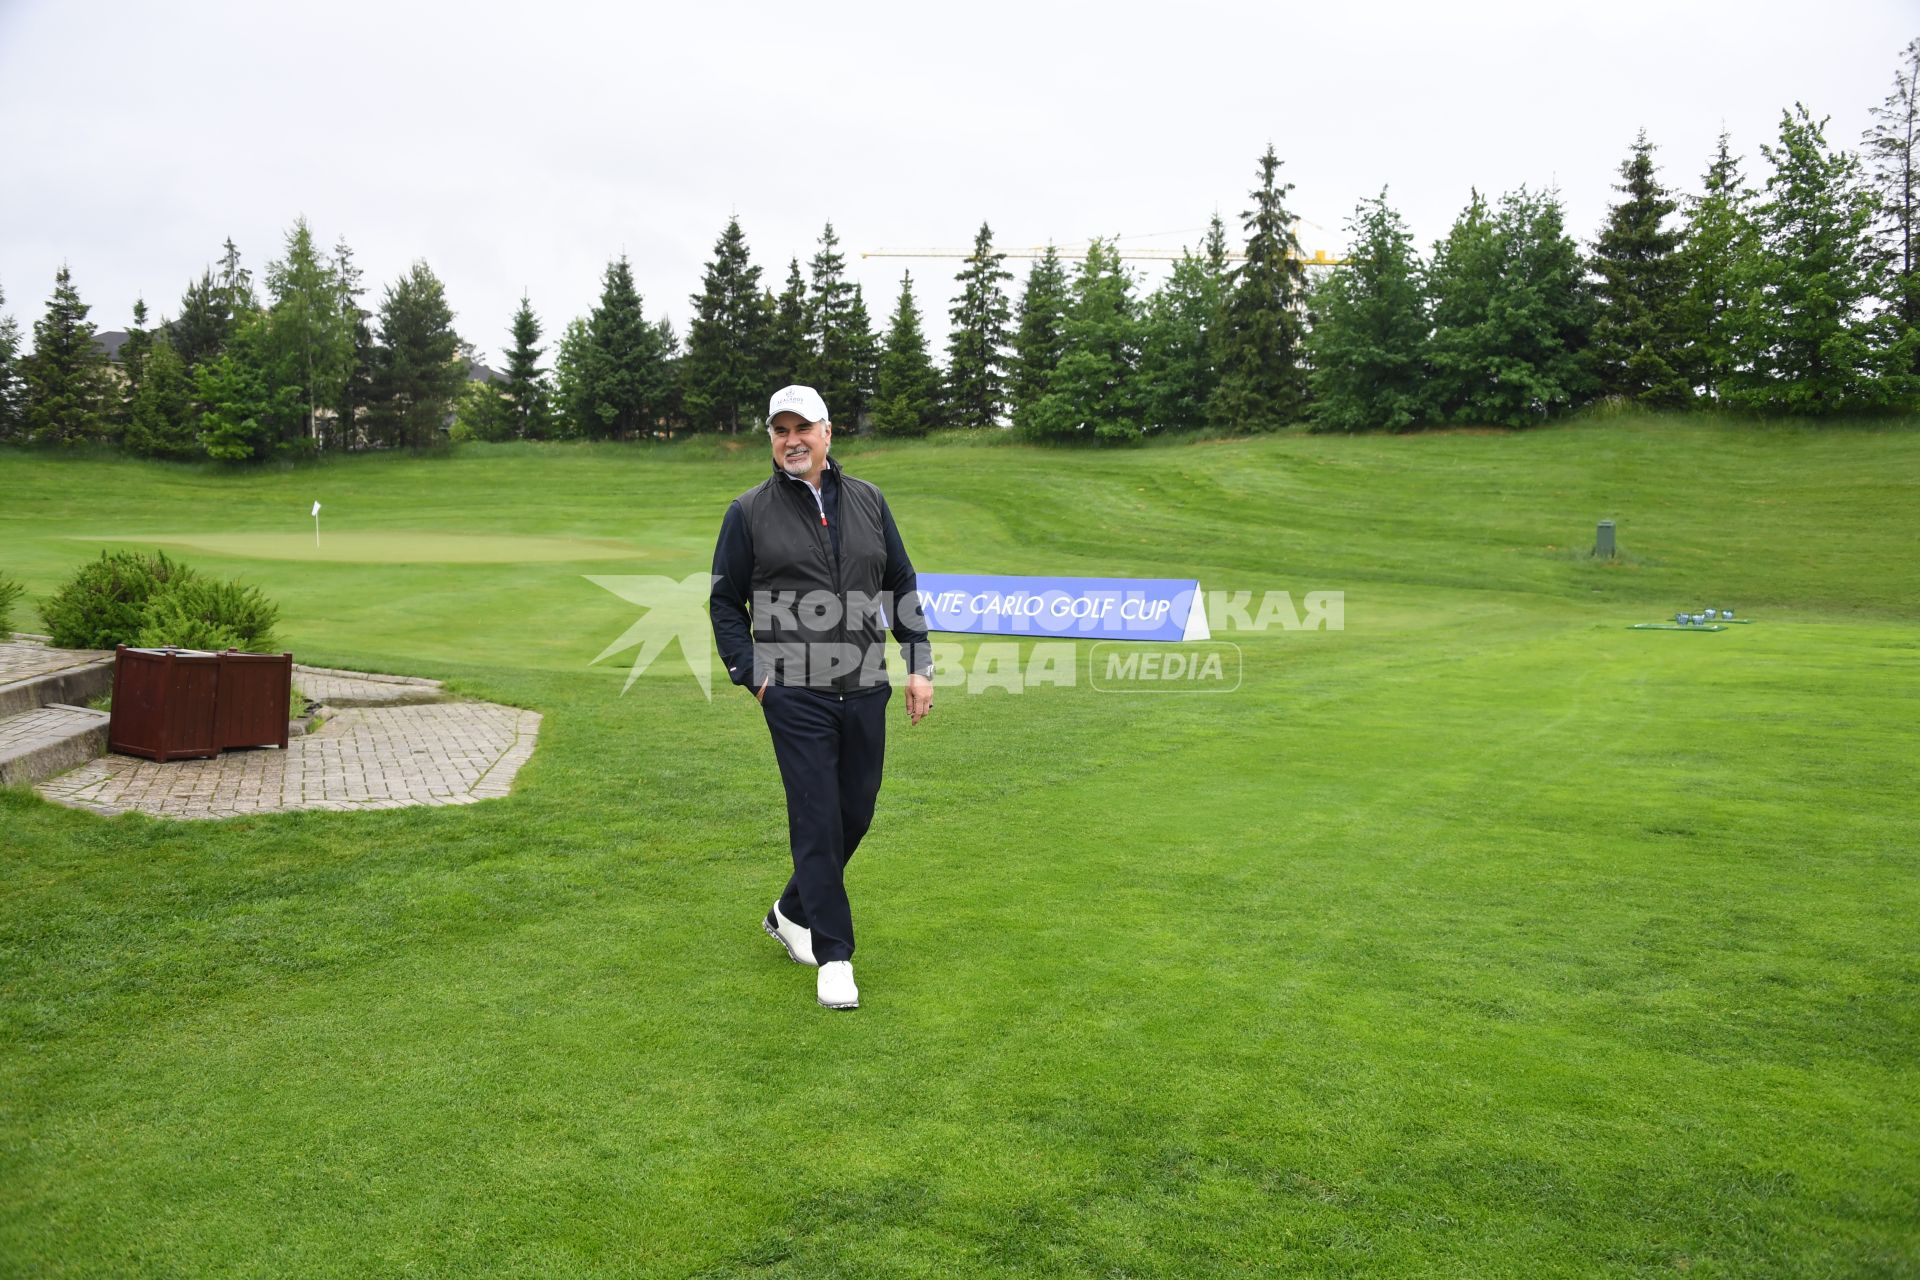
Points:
[(1484, 936)]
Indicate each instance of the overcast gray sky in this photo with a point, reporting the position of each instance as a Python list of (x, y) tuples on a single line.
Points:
[(521, 145)]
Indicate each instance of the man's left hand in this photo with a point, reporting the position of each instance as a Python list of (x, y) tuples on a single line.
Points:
[(919, 698)]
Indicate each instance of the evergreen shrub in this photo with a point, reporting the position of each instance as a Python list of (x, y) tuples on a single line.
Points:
[(9, 595), (127, 597)]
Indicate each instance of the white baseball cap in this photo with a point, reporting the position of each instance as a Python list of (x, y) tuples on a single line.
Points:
[(804, 401)]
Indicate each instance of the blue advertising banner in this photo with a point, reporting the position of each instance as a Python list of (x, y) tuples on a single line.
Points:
[(1098, 608)]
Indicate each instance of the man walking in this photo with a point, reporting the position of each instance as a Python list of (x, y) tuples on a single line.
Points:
[(807, 572)]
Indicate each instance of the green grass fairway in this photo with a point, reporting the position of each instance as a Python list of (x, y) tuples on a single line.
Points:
[(1485, 937), (383, 546)]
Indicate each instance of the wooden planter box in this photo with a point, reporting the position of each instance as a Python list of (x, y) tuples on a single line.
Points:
[(250, 708), (163, 702), (177, 704)]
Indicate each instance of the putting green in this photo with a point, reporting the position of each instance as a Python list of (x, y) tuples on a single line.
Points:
[(373, 546)]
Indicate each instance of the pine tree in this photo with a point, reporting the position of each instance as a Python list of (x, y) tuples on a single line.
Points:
[(308, 340), (908, 399), (13, 415), (160, 414), (1095, 391), (1039, 341), (789, 350), (1638, 321), (1262, 384), (977, 339), (1369, 338), (66, 376), (417, 370), (626, 373), (526, 384), (1892, 146), (356, 388), (1510, 313), (721, 384), (1715, 250), (834, 334), (1805, 335)]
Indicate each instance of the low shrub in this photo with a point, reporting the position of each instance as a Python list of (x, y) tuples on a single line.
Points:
[(9, 596), (126, 597), (202, 614), (104, 603)]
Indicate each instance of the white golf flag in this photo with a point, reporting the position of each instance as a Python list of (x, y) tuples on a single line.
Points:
[(316, 509)]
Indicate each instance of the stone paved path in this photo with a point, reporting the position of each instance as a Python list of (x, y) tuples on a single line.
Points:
[(362, 758), (364, 689), (32, 728), (25, 659)]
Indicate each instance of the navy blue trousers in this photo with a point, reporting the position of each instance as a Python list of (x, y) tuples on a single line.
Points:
[(830, 750)]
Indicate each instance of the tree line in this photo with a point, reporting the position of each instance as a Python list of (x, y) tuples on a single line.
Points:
[(1798, 295), (233, 376)]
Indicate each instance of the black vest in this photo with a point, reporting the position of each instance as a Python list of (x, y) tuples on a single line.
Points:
[(818, 619)]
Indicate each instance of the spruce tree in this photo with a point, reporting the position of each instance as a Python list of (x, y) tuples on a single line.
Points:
[(308, 340), (1511, 315), (977, 339), (66, 376), (1177, 340), (1806, 337), (417, 369), (134, 355), (12, 392), (908, 397), (571, 379), (204, 322), (1095, 392), (1039, 341), (789, 349), (1462, 284), (1892, 146), (242, 413), (1262, 383), (837, 339), (356, 388), (526, 383), (721, 385), (1638, 320), (1369, 338), (160, 413), (673, 366), (1715, 250), (863, 347), (236, 282), (626, 374)]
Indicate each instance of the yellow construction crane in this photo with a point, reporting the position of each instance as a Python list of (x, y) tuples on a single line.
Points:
[(1318, 258)]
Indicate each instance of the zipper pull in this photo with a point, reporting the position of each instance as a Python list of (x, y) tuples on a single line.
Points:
[(823, 519)]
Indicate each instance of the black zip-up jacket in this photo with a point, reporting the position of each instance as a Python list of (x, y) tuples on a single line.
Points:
[(780, 548)]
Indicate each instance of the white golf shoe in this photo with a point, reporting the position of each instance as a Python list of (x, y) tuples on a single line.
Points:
[(834, 988), (797, 939)]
